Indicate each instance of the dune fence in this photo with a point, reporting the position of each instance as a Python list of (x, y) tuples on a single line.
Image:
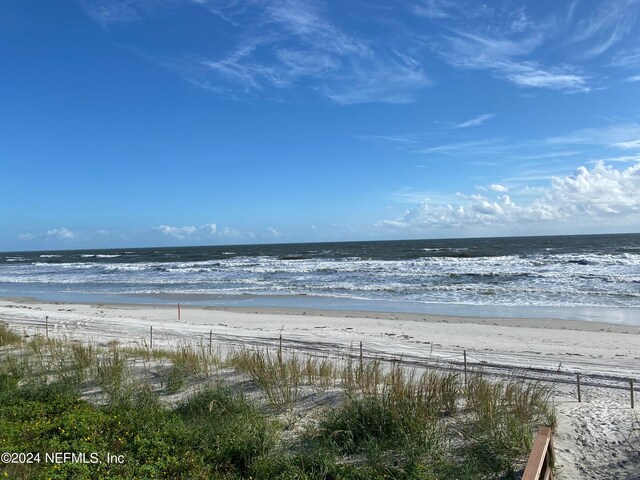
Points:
[(513, 365)]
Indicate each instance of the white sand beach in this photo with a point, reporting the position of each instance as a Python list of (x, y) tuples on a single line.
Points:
[(593, 437)]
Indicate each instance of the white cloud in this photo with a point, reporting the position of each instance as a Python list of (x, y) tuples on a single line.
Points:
[(629, 145), (390, 80), (504, 39), (217, 9), (411, 196), (471, 50), (272, 47), (177, 232), (433, 9), (389, 138), (202, 232), (61, 233), (506, 58), (496, 187), (305, 20), (556, 154), (112, 12), (620, 135), (272, 232), (492, 145), (291, 44), (608, 24), (627, 58), (601, 196), (530, 74), (620, 159), (26, 236), (598, 192), (439, 10), (228, 232), (476, 121), (519, 21)]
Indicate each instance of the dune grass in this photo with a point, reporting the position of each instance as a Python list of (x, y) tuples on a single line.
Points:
[(387, 421), (8, 336)]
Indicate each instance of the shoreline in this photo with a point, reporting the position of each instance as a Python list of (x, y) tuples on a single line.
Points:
[(517, 322), (571, 318), (543, 323)]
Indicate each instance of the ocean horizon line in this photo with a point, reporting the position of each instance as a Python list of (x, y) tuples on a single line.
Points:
[(417, 239)]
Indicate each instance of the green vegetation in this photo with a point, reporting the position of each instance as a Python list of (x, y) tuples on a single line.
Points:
[(7, 336), (183, 413)]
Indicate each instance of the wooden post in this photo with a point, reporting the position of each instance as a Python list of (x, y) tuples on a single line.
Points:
[(631, 389), (465, 368), (178, 310), (46, 326), (542, 457), (151, 337), (578, 382), (280, 347), (210, 340), (361, 359)]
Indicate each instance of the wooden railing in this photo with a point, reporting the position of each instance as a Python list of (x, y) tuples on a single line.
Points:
[(542, 458)]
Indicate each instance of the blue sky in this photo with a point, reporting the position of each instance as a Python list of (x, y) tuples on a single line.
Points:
[(190, 122)]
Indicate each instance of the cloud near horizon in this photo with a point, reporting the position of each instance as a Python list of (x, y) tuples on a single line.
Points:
[(207, 231), (60, 233), (600, 196)]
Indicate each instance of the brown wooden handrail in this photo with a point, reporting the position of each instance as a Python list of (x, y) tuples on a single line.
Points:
[(541, 459)]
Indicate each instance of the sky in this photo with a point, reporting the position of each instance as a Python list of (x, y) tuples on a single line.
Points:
[(130, 123)]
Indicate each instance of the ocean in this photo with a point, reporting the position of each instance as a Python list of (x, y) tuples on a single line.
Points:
[(591, 277)]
